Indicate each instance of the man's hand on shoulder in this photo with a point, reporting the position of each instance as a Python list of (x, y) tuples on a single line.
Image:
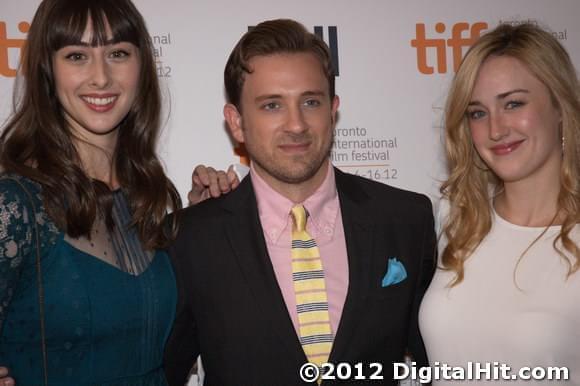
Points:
[(207, 182)]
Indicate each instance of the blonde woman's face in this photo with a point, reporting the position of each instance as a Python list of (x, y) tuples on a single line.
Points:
[(514, 123)]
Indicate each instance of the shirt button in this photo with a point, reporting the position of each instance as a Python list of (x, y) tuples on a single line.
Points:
[(328, 230)]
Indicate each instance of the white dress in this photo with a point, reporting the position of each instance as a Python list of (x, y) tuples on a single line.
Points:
[(521, 317)]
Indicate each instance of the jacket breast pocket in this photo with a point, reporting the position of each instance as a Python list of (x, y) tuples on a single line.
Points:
[(393, 291)]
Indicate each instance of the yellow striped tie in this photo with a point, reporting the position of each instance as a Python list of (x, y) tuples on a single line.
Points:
[(310, 288)]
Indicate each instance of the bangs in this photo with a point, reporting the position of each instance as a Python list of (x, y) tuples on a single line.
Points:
[(72, 17)]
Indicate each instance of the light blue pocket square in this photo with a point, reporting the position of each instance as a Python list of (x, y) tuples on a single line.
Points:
[(396, 273)]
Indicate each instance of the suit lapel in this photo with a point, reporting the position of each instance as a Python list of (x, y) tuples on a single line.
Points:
[(246, 238), (358, 230)]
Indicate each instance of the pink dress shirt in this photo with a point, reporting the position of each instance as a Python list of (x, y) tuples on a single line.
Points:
[(324, 225)]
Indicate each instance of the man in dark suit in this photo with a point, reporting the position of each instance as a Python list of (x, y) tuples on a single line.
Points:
[(245, 305)]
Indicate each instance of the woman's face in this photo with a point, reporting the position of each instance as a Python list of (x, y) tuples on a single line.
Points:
[(96, 86), (514, 123)]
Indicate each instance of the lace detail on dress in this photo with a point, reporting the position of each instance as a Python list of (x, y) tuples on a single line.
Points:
[(93, 311), (16, 231), (120, 247)]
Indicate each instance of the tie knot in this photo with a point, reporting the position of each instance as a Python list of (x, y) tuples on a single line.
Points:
[(299, 216)]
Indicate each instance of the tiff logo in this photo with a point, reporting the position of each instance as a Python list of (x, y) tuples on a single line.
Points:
[(7, 44), (457, 42), (332, 44)]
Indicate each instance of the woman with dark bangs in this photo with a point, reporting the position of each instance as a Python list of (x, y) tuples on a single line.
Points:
[(87, 296)]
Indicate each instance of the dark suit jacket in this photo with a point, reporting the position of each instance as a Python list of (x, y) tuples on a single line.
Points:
[(231, 310)]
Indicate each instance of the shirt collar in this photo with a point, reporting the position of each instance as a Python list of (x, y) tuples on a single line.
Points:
[(274, 208)]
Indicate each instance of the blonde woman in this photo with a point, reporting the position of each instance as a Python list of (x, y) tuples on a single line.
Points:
[(507, 289)]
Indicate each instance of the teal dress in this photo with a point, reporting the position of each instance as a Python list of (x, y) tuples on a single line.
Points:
[(105, 324)]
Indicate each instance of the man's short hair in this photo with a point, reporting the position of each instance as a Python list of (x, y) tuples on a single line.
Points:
[(273, 37)]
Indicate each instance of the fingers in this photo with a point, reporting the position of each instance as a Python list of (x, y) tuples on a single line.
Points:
[(207, 182), (224, 182), (200, 178), (196, 195), (233, 179), (207, 178), (199, 181), (217, 182), (4, 379)]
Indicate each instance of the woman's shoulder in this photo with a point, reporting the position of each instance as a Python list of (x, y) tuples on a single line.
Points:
[(18, 185), (20, 202), (17, 191)]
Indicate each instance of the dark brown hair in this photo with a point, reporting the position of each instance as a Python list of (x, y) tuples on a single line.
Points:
[(268, 38), (37, 142)]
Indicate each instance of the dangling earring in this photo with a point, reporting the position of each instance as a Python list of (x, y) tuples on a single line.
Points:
[(561, 130)]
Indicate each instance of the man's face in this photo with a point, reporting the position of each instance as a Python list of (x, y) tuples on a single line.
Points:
[(286, 118)]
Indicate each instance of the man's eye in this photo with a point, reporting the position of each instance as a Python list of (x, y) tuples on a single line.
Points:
[(312, 102), (271, 106)]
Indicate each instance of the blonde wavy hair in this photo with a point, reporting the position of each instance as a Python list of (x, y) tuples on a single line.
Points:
[(468, 185)]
